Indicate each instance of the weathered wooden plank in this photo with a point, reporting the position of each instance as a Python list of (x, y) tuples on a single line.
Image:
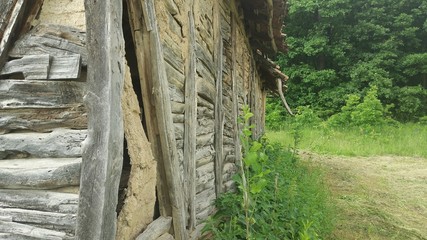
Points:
[(12, 236), (219, 114), (6, 7), (138, 209), (32, 66), (103, 149), (166, 236), (61, 143), (30, 231), (39, 200), (65, 67), (62, 221), (42, 120), (206, 90), (55, 40), (13, 14), (189, 122), (40, 94), (140, 31), (165, 123), (39, 173), (156, 229)]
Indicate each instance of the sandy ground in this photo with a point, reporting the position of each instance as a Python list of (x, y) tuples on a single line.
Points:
[(382, 197)]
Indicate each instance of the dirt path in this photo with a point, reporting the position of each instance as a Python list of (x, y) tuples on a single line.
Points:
[(377, 197)]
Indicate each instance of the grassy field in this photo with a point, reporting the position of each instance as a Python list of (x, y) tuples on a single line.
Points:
[(377, 179), (401, 140)]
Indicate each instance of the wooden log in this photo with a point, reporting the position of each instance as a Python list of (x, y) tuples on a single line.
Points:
[(32, 67), (165, 123), (138, 209), (62, 221), (11, 18), (39, 200), (219, 114), (40, 94), (61, 143), (206, 90), (30, 231), (190, 121), (42, 120), (156, 229), (39, 173), (55, 40), (103, 149)]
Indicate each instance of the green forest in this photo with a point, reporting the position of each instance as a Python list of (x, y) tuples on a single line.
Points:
[(339, 50)]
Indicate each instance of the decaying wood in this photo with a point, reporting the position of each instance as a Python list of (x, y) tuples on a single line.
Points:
[(42, 120), (10, 20), (62, 221), (39, 200), (156, 229), (61, 143), (138, 208), (103, 149), (219, 114), (190, 121), (32, 67), (40, 94), (29, 231), (54, 40), (142, 52), (39, 173), (280, 90)]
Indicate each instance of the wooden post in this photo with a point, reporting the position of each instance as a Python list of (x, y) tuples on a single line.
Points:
[(190, 121), (103, 148), (219, 114)]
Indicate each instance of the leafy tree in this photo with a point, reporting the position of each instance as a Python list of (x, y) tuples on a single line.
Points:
[(342, 47)]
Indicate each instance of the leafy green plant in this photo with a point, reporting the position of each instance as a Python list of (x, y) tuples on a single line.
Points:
[(277, 196)]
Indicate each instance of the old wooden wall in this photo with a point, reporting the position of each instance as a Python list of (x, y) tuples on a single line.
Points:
[(42, 123), (211, 75)]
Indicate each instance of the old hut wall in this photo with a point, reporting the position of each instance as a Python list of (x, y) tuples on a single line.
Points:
[(42, 121)]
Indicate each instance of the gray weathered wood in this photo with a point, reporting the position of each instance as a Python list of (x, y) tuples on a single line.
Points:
[(40, 94), (6, 9), (30, 231), (166, 236), (39, 200), (11, 19), (103, 149), (62, 221), (32, 66), (219, 114), (190, 121), (39, 173), (42, 120), (156, 229), (65, 67), (61, 143), (12, 236), (165, 122), (55, 40)]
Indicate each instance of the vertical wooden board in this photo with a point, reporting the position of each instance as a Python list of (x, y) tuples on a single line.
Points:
[(103, 149), (190, 121)]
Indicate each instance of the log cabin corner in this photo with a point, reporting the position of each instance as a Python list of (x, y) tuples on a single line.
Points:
[(119, 119)]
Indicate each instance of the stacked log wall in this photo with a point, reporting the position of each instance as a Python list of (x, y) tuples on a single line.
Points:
[(43, 122)]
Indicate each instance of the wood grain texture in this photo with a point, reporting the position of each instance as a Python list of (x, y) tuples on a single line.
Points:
[(103, 149), (39, 200), (32, 67), (156, 229), (39, 173), (61, 143), (40, 94), (17, 230)]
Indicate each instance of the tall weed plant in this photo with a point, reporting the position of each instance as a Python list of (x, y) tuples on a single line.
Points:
[(277, 197)]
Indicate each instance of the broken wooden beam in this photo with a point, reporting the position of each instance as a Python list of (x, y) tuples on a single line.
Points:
[(32, 67), (45, 173), (30, 232), (40, 200), (61, 143), (156, 229)]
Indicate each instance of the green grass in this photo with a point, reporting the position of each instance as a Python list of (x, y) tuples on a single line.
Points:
[(399, 140)]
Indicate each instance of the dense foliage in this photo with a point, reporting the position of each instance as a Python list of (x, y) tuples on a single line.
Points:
[(277, 197), (342, 47)]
